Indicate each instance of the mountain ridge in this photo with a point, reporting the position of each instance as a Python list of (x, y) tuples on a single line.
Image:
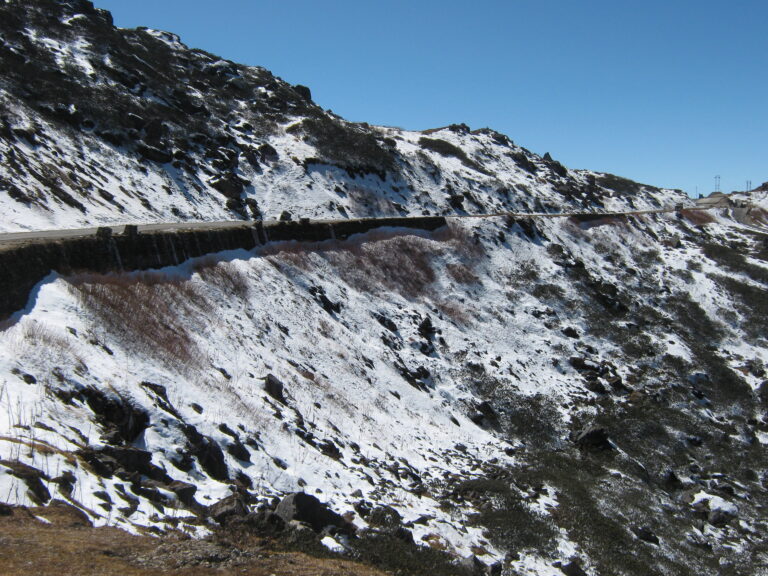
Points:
[(224, 140)]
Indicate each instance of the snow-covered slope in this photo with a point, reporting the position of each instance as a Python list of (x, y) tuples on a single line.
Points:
[(551, 395), (105, 125)]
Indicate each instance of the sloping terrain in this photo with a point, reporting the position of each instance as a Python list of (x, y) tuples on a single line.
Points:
[(547, 396), (106, 125)]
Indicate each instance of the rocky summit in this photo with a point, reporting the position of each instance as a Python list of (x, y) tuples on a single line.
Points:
[(576, 385)]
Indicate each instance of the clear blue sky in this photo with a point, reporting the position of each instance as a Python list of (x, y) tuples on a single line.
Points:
[(667, 92)]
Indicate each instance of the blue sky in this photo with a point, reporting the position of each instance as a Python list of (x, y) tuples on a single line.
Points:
[(670, 93)]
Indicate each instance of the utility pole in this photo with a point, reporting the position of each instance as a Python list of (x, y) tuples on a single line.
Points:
[(749, 186), (717, 183)]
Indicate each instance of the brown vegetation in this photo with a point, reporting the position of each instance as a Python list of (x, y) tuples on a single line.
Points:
[(697, 217), (149, 312), (387, 260), (69, 546)]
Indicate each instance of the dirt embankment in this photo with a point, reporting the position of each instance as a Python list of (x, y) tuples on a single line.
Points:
[(58, 540)]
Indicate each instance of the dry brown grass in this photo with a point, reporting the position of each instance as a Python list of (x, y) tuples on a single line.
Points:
[(697, 217), (462, 274), (149, 312), (38, 342), (454, 311), (40, 447), (386, 260), (225, 276), (69, 546)]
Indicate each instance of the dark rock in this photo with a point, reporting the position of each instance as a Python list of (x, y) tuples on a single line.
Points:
[(573, 568), (263, 523), (223, 427), (154, 154), (274, 388), (161, 397), (239, 451), (524, 162), (318, 292), (418, 378), (571, 332), (227, 508), (593, 439), (184, 491), (207, 452), (5, 509), (698, 379), (32, 477), (384, 517), (596, 386), (671, 481), (328, 448), (616, 382), (268, 152), (485, 415), (304, 92), (473, 565), (306, 508), (114, 412), (229, 184), (66, 482), (580, 363), (426, 329), (756, 368), (646, 535), (285, 216), (280, 463), (456, 201), (720, 517), (101, 464), (386, 322)]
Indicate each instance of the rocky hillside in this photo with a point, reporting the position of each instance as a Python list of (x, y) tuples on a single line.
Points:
[(101, 124), (537, 397)]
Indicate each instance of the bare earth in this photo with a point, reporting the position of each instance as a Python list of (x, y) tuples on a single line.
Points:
[(69, 546)]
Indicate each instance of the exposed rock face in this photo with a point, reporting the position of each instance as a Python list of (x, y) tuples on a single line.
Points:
[(306, 508), (595, 439)]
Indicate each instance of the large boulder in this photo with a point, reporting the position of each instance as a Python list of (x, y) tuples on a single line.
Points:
[(593, 439), (233, 506), (274, 388), (308, 509), (208, 453)]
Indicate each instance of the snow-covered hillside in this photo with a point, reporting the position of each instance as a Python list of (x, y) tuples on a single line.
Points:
[(104, 125), (548, 396)]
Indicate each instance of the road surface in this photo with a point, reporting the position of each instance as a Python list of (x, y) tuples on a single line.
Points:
[(38, 235)]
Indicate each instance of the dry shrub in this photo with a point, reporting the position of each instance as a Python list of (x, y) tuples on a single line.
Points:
[(454, 311), (38, 334), (462, 274), (225, 276), (387, 259), (149, 313), (368, 203), (296, 254), (697, 217), (36, 340), (297, 258), (464, 243), (402, 265)]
